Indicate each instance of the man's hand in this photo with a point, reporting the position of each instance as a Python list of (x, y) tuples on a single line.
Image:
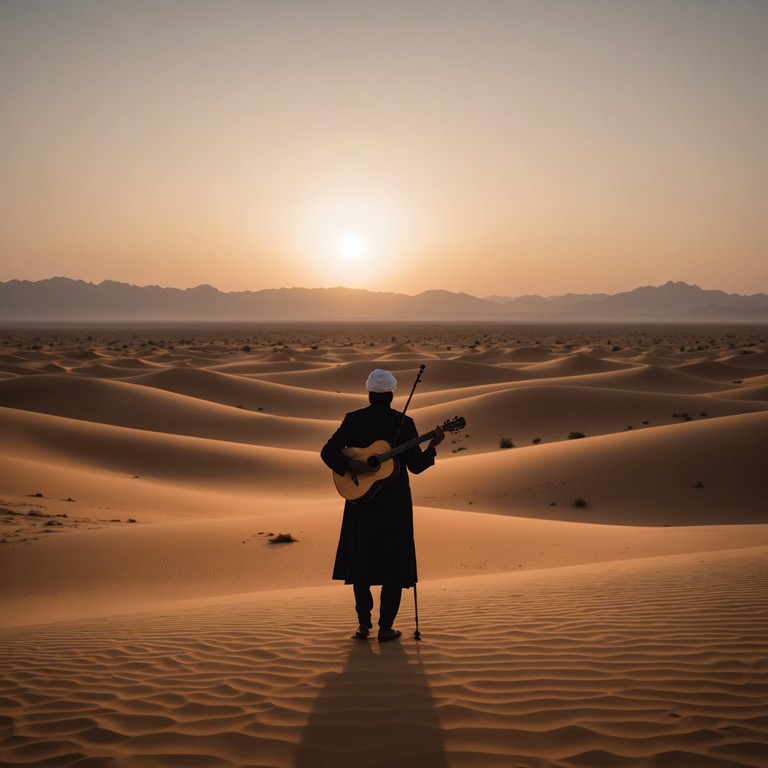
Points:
[(358, 466), (438, 438)]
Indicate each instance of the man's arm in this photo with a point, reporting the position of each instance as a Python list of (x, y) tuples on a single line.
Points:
[(417, 460), (331, 452)]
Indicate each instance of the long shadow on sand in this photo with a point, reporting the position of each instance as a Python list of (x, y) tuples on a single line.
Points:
[(378, 711)]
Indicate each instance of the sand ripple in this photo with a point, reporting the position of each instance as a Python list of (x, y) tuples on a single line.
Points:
[(658, 664)]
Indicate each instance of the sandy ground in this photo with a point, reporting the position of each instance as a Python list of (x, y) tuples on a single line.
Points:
[(584, 601)]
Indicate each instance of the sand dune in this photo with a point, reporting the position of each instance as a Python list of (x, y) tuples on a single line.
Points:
[(129, 452), (252, 394), (755, 393), (649, 378), (350, 377), (574, 365), (712, 369), (273, 364), (399, 357), (644, 477), (82, 353), (756, 359), (584, 602), (226, 551), (646, 358), (753, 380), (526, 355), (16, 370), (30, 355), (136, 363), (551, 413), (102, 370), (139, 407)]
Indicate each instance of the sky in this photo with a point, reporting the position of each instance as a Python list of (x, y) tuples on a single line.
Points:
[(501, 147)]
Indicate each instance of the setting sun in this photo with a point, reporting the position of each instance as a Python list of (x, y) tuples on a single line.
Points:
[(352, 246)]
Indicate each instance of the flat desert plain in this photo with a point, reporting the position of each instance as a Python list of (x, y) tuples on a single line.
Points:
[(594, 594)]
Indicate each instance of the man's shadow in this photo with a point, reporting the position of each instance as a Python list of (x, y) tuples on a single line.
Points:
[(378, 711)]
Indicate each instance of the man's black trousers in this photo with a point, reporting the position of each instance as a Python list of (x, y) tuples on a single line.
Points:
[(389, 604)]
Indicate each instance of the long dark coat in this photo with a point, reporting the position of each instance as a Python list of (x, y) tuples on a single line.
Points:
[(376, 543)]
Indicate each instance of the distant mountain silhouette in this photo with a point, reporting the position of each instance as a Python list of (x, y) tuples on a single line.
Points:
[(61, 299)]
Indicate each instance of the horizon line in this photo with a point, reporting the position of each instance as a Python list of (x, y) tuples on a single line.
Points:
[(372, 290)]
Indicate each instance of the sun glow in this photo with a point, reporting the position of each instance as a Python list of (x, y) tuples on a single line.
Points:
[(352, 238), (352, 246)]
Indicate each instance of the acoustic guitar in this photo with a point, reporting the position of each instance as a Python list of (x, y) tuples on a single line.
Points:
[(380, 457)]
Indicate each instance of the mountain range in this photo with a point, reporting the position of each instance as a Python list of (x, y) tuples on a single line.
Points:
[(61, 299)]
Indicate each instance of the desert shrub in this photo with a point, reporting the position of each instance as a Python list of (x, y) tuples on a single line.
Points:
[(573, 435), (282, 538), (505, 442), (579, 502), (536, 440)]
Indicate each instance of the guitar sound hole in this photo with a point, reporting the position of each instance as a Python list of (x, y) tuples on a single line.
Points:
[(373, 462)]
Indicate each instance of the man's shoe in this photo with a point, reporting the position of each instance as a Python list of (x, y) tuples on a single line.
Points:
[(362, 632), (389, 634)]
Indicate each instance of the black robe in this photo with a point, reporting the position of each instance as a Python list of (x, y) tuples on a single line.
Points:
[(376, 542)]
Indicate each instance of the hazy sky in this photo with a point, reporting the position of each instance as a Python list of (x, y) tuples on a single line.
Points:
[(489, 146)]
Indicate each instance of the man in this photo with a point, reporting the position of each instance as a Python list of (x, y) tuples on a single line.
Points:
[(376, 541)]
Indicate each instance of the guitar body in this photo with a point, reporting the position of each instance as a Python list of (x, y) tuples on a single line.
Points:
[(381, 455), (356, 488)]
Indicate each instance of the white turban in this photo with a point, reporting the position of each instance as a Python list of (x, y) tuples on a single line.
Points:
[(381, 381)]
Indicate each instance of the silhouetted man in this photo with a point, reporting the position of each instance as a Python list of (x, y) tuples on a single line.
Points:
[(376, 542)]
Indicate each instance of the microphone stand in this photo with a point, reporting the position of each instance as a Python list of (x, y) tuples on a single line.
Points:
[(416, 634), (407, 403)]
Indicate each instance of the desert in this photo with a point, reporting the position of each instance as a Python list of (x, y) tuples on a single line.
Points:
[(591, 547)]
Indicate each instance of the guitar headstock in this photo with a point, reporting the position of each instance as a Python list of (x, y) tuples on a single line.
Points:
[(454, 424)]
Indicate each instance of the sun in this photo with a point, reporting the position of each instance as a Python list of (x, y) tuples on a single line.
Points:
[(352, 246)]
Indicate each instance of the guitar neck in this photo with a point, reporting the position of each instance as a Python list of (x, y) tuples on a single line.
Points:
[(406, 446)]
